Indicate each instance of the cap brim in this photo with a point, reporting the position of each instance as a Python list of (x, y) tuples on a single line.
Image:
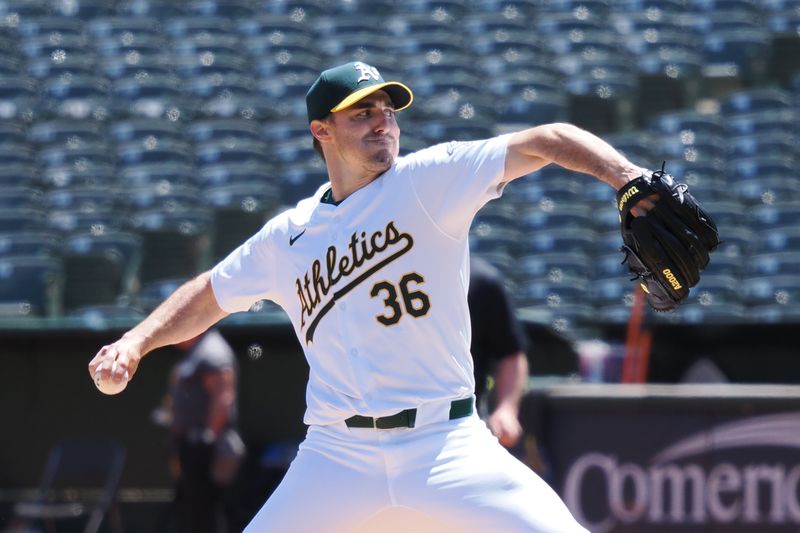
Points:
[(400, 94)]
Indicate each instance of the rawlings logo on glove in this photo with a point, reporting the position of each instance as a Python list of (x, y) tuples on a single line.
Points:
[(669, 246)]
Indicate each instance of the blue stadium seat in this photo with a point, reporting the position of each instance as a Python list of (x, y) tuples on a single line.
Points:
[(223, 8), (665, 6), (784, 263), (241, 151), (778, 214), (125, 28), (780, 239), (715, 289), (558, 239), (747, 6), (764, 122), (486, 238), (152, 96), (99, 269), (609, 265), (75, 155), (158, 9), (756, 101), (167, 197), (738, 52), (229, 174), (768, 189), (20, 196), (614, 291), (55, 46), (181, 27), (63, 131), (146, 130), (761, 167), (34, 26), (30, 286), (80, 172), (78, 96), (174, 244), (18, 97), (158, 151), (82, 198), (775, 313), (698, 313), (156, 174), (84, 221), (152, 293), (776, 144), (764, 290), (14, 219), (543, 266), (221, 129), (30, 243), (680, 121)]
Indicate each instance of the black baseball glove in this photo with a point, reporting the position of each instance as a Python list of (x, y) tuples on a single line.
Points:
[(669, 246)]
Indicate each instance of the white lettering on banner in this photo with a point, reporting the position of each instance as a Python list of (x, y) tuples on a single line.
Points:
[(694, 492)]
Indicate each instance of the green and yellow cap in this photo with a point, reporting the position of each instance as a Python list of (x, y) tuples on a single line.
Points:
[(340, 87)]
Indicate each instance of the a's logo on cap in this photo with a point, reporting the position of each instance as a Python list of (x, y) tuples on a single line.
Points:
[(367, 72)]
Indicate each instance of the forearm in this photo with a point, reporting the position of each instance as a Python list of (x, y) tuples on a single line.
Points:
[(221, 387), (188, 312), (511, 377), (570, 147)]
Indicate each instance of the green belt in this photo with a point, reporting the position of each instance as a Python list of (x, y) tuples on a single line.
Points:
[(407, 417)]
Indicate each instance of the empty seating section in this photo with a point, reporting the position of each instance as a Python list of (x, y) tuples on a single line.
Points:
[(142, 140)]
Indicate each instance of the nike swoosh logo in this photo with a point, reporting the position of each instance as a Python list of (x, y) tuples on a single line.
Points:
[(292, 239)]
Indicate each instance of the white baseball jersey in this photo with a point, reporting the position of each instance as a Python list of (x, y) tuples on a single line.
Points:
[(376, 286)]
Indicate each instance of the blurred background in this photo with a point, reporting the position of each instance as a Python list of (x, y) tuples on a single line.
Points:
[(142, 140)]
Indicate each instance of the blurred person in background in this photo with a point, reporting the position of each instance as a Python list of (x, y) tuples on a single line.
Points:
[(205, 448), (498, 349)]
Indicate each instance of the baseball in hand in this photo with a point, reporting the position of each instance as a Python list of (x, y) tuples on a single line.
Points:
[(107, 386)]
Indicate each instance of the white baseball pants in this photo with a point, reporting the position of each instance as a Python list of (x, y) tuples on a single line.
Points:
[(450, 476)]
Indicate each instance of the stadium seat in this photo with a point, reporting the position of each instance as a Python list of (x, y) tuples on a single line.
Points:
[(558, 239), (99, 269), (165, 196), (240, 210), (766, 290), (762, 122), (83, 221), (66, 131), (152, 96), (783, 263), (18, 97), (152, 293), (784, 56), (615, 291), (556, 266), (15, 219), (30, 286), (146, 131), (768, 189), (756, 101), (152, 150), (17, 196), (780, 239), (81, 172), (28, 243), (78, 487), (174, 245), (158, 9)]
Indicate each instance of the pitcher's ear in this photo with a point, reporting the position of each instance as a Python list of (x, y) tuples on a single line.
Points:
[(319, 130)]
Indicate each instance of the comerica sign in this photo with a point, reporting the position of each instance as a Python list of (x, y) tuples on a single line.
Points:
[(684, 484)]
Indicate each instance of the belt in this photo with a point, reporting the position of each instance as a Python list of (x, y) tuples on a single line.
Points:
[(407, 417)]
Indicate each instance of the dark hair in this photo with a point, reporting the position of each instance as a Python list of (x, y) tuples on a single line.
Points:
[(318, 148), (316, 143)]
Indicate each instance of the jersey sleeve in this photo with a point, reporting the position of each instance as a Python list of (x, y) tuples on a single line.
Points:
[(454, 180), (247, 275)]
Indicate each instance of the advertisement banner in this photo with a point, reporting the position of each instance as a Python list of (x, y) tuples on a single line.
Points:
[(634, 465)]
